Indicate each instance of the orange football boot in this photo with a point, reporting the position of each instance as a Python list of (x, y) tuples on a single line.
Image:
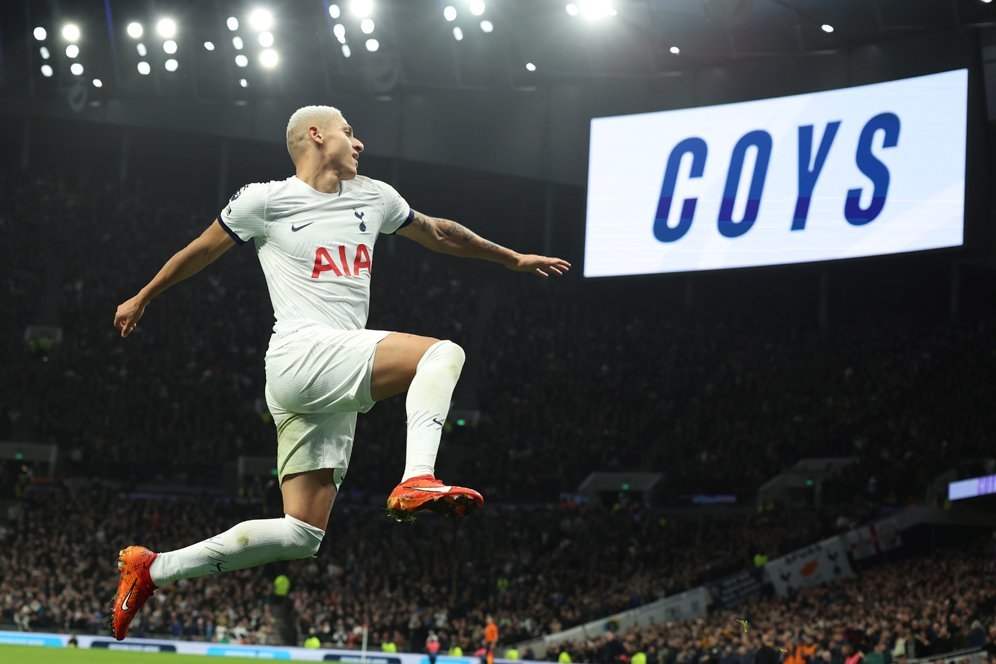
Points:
[(425, 492), (134, 588)]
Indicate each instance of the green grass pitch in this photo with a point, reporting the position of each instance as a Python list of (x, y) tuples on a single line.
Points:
[(39, 655)]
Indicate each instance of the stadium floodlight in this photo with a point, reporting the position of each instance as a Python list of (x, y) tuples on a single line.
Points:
[(40, 33), (361, 8), (367, 26), (826, 27), (449, 13), (243, 82), (142, 51), (530, 66), (477, 7), (241, 60), (986, 2), (260, 20), (572, 9), (76, 68), (208, 46), (269, 58), (596, 9), (97, 83), (674, 50), (72, 51), (46, 70), (71, 32), (373, 45), (487, 26), (334, 11), (144, 68), (340, 32), (44, 53), (171, 64), (237, 43), (135, 30), (457, 33), (266, 39), (346, 51), (232, 23), (169, 46), (166, 27)]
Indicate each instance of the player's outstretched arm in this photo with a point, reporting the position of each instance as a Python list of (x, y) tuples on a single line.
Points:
[(449, 237), (187, 262)]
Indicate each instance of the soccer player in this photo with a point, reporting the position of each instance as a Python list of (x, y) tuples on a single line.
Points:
[(314, 236)]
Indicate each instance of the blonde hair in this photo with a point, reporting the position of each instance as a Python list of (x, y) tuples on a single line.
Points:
[(303, 118)]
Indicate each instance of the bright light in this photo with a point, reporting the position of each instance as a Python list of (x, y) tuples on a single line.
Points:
[(171, 64), (361, 8), (457, 33), (237, 43), (209, 46), (44, 53), (135, 30), (97, 83), (476, 7), (142, 52), (487, 26), (72, 51), (40, 33), (241, 60), (449, 13), (76, 68), (530, 66), (166, 27), (596, 9), (232, 23), (70, 32), (367, 26), (373, 45), (334, 11), (260, 20), (340, 32), (346, 51), (572, 9), (986, 2), (266, 39), (243, 82), (169, 46), (269, 58), (46, 70), (144, 68), (674, 50), (826, 27)]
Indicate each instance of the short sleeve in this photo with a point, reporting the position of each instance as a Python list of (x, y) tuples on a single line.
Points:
[(397, 212), (245, 215)]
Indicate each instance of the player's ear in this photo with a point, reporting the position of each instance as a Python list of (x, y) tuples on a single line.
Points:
[(315, 134)]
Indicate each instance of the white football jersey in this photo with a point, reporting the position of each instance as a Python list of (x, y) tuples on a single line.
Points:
[(316, 249)]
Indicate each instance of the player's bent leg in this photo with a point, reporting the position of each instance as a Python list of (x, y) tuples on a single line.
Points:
[(308, 501), (429, 369)]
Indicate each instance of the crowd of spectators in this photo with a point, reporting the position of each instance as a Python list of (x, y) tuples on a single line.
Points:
[(568, 377), (920, 607)]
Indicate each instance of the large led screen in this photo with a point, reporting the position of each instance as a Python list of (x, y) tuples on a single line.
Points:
[(862, 171)]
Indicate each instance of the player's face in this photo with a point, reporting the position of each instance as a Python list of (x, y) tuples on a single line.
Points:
[(343, 148)]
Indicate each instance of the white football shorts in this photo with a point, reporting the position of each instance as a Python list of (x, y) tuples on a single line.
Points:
[(317, 380)]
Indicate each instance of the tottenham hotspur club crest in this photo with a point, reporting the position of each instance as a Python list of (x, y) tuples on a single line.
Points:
[(359, 215)]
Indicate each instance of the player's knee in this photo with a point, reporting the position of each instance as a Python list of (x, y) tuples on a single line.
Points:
[(304, 538), (450, 356)]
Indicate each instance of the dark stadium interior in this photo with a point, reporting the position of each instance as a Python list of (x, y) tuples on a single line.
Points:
[(719, 381)]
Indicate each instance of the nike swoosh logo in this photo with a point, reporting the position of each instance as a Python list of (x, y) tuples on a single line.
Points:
[(295, 229), (124, 604), (434, 489), (437, 421)]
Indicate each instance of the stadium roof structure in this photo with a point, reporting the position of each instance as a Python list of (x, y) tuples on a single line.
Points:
[(243, 50)]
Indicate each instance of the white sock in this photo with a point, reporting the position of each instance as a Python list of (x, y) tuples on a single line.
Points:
[(428, 403), (249, 544)]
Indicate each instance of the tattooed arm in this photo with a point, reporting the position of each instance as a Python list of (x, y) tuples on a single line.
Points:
[(449, 237)]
